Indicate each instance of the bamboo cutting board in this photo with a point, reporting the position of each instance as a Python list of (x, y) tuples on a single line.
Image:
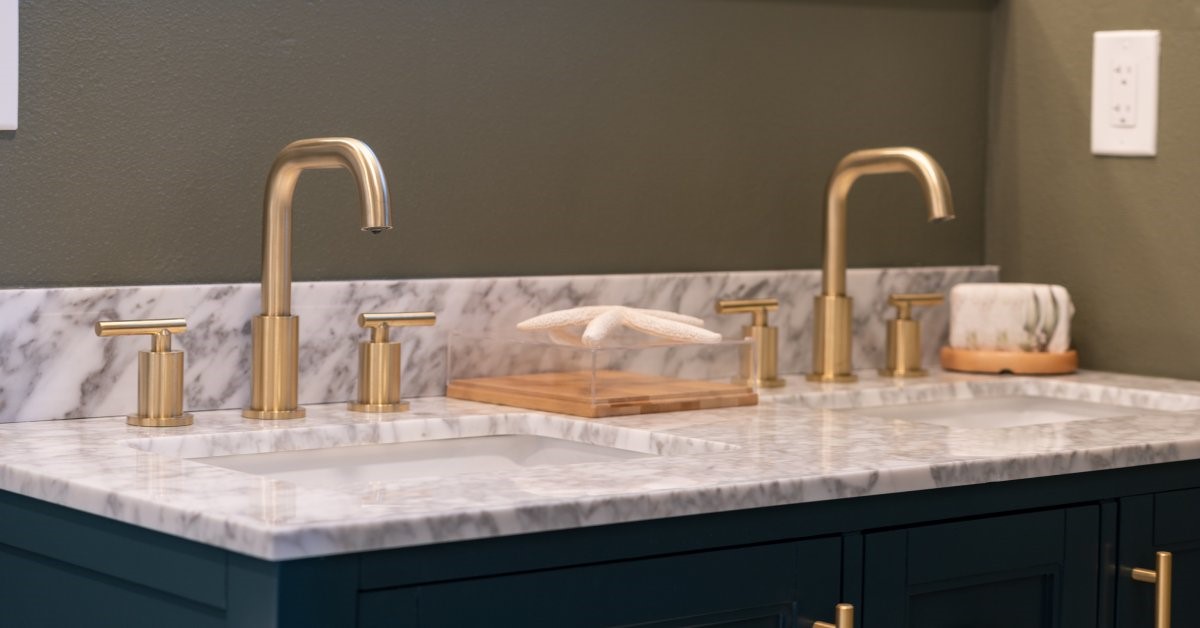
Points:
[(617, 393)]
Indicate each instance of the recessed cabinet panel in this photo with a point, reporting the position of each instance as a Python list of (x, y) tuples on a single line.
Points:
[(983, 546), (1007, 601), (765, 585), (1029, 569), (1177, 517)]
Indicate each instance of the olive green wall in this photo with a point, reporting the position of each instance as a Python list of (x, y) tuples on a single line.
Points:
[(1123, 235), (519, 137)]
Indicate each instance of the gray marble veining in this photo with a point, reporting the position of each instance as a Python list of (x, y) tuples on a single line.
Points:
[(805, 443), (53, 367)]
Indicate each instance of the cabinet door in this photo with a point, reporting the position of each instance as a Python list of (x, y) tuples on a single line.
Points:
[(776, 585), (1029, 569), (1163, 522)]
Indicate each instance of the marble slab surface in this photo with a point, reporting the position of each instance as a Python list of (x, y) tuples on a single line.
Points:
[(52, 366), (805, 443)]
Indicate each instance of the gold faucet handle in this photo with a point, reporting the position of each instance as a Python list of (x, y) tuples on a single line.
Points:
[(379, 361), (380, 322), (905, 302), (160, 371), (159, 329), (757, 308), (760, 360)]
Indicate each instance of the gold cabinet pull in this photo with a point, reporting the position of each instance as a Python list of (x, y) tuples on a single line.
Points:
[(760, 360), (379, 361), (843, 618), (1160, 577), (160, 371)]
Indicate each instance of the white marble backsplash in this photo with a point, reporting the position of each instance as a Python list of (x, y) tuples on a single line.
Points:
[(52, 366)]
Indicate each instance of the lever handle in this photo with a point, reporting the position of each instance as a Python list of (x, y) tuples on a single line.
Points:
[(759, 362), (379, 361), (160, 371), (380, 322), (757, 308), (905, 302), (160, 330)]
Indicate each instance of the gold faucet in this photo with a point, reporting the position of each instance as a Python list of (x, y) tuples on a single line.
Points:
[(276, 366), (832, 308)]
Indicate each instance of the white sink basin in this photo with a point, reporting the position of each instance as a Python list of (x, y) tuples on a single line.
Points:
[(343, 455), (338, 466), (1001, 412)]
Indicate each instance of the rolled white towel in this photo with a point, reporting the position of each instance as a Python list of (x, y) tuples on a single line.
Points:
[(1010, 317)]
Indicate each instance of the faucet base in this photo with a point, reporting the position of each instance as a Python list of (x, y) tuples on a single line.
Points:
[(831, 340), (379, 408), (152, 421), (824, 378), (275, 370), (273, 415), (903, 372)]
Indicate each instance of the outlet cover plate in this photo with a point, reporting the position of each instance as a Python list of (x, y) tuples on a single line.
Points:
[(1125, 93)]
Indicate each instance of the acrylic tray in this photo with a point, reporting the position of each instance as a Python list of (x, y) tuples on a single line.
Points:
[(631, 378)]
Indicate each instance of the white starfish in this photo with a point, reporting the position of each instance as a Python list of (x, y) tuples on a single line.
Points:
[(599, 321)]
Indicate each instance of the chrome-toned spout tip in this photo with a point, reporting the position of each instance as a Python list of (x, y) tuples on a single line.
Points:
[(377, 230)]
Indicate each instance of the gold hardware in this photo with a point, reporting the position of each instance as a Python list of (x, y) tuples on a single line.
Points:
[(761, 371), (160, 371), (831, 309), (844, 618), (1160, 577), (276, 358), (379, 361), (904, 335), (831, 340)]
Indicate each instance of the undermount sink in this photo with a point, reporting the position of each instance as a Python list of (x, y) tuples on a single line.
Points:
[(1001, 412), (338, 466), (333, 456)]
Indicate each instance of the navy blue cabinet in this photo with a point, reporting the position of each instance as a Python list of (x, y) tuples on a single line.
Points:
[(1052, 552)]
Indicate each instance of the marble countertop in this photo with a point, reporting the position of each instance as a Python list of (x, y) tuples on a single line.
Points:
[(803, 443)]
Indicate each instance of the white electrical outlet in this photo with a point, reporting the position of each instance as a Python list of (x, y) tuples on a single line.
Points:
[(8, 65), (1125, 93)]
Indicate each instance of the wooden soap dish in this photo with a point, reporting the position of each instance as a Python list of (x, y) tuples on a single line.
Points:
[(1016, 362), (604, 393)]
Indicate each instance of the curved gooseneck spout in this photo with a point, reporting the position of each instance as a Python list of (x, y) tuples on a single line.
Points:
[(275, 369), (875, 161), (295, 158), (832, 309)]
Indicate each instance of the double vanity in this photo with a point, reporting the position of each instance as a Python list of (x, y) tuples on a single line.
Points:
[(947, 500), (843, 499)]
